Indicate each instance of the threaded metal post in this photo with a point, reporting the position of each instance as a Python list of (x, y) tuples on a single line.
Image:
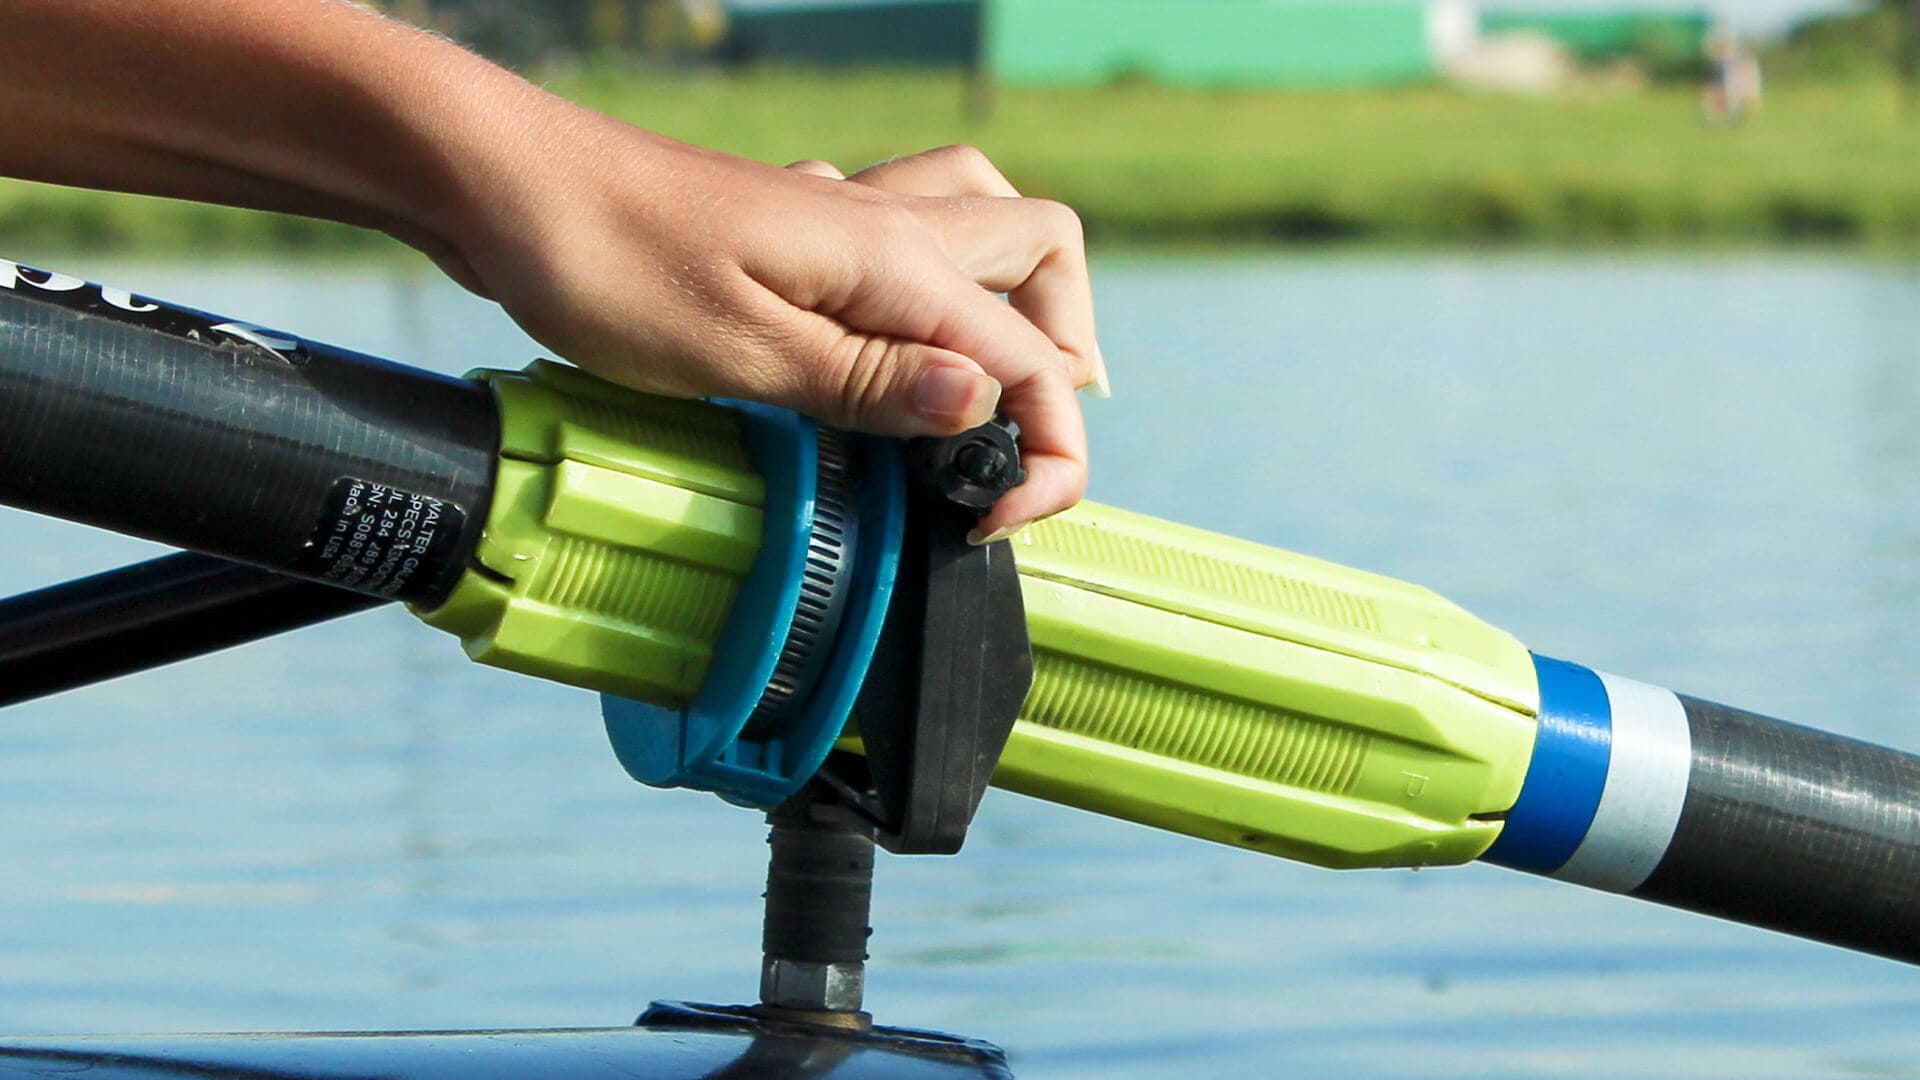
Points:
[(819, 898)]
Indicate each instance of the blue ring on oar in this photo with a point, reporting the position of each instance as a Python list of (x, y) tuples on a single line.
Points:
[(705, 745), (1566, 775)]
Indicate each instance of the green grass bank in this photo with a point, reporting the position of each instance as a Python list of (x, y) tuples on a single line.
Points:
[(1824, 162)]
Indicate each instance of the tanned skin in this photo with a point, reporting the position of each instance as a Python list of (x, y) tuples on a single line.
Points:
[(869, 301)]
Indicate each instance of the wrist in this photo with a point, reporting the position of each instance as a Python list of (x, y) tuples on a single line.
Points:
[(463, 133)]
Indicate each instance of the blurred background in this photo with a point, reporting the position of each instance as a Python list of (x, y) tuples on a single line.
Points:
[(1602, 319), (1246, 121)]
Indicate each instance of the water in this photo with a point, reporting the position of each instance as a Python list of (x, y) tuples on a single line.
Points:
[(1703, 472)]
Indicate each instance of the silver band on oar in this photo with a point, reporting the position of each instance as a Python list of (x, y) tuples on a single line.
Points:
[(1652, 757)]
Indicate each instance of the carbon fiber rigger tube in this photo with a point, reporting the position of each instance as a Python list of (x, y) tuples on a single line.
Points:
[(240, 442), (1638, 790)]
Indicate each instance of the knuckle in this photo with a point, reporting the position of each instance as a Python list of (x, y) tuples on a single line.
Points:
[(1062, 221), (973, 166), (863, 380), (1076, 488), (963, 155)]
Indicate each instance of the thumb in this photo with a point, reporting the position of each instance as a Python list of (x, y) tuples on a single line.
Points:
[(875, 384)]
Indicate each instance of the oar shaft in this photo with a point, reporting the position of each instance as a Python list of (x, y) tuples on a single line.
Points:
[(1667, 798)]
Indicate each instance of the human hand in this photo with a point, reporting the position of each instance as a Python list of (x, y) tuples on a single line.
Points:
[(867, 303)]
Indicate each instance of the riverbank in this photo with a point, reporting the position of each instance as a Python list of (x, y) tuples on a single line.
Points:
[(1825, 163)]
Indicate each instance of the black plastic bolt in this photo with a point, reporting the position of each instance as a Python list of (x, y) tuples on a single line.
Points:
[(982, 463), (972, 469)]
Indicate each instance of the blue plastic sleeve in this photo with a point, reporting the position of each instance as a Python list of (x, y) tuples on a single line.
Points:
[(1567, 774)]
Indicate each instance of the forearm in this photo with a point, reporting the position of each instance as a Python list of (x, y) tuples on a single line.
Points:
[(312, 107)]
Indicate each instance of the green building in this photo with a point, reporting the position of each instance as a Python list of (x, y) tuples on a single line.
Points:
[(1187, 42), (1210, 42)]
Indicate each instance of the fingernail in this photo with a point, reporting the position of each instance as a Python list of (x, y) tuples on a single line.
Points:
[(994, 537), (1100, 387), (948, 394)]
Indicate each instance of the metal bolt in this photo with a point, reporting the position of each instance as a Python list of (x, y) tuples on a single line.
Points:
[(807, 986)]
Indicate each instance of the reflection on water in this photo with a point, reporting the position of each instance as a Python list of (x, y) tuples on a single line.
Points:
[(1704, 472)]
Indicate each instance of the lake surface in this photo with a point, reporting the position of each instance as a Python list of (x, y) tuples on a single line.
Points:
[(1702, 472)]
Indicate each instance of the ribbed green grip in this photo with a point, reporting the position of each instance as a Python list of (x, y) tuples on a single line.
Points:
[(622, 525), (1263, 699)]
